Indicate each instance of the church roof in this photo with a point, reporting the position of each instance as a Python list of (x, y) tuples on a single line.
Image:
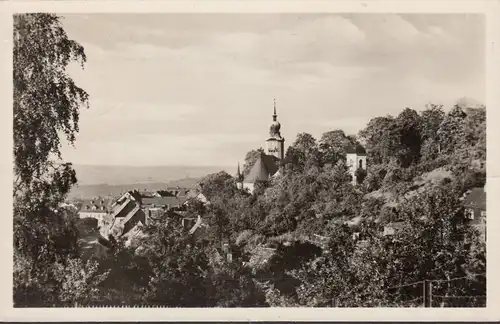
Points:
[(264, 167)]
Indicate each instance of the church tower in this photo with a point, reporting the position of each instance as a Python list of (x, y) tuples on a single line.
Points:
[(275, 144)]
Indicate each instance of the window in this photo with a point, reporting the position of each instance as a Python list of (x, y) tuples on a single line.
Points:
[(469, 213), (361, 164), (483, 213)]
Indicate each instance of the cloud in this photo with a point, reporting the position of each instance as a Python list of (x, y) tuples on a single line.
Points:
[(202, 85)]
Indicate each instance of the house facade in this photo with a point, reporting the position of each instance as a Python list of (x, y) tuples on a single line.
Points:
[(356, 159), (96, 208), (475, 209)]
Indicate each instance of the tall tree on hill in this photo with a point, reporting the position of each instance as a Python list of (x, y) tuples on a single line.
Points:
[(382, 139), (408, 123), (475, 131), (299, 152), (333, 145), (46, 104), (218, 185), (432, 117), (451, 132)]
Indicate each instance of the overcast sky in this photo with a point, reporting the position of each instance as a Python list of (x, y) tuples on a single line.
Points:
[(198, 89)]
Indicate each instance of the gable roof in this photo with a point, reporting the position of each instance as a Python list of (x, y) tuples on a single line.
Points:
[(100, 204), (264, 167), (476, 198)]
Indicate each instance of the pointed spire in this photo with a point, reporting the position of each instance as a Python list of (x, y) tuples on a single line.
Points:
[(274, 114), (239, 176)]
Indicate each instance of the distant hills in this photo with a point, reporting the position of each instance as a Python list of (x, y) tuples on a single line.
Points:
[(100, 180)]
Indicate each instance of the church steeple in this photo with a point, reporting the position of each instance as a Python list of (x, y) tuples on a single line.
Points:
[(274, 114), (238, 173), (275, 143), (239, 178)]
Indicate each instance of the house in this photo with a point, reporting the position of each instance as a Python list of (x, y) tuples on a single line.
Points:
[(356, 159), (196, 194), (393, 228), (474, 203), (96, 208), (126, 215), (91, 242)]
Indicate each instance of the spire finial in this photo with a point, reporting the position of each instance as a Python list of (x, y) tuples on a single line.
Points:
[(274, 112)]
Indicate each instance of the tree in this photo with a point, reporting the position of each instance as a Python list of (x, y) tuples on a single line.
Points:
[(179, 267), (233, 286), (333, 145), (381, 136), (432, 118), (451, 132), (298, 153), (80, 282), (46, 104), (408, 124), (305, 143), (218, 184), (360, 175)]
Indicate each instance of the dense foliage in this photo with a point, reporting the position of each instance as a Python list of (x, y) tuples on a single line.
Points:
[(308, 237)]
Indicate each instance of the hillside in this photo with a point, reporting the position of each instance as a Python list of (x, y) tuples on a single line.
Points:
[(124, 175), (89, 191), (101, 180)]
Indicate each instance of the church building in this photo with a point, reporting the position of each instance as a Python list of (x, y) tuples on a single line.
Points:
[(267, 165)]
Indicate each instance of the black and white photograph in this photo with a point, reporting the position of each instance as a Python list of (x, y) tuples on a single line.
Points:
[(244, 160)]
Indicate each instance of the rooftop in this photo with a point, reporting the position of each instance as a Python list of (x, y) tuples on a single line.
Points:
[(476, 198), (264, 167), (356, 149), (164, 201)]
